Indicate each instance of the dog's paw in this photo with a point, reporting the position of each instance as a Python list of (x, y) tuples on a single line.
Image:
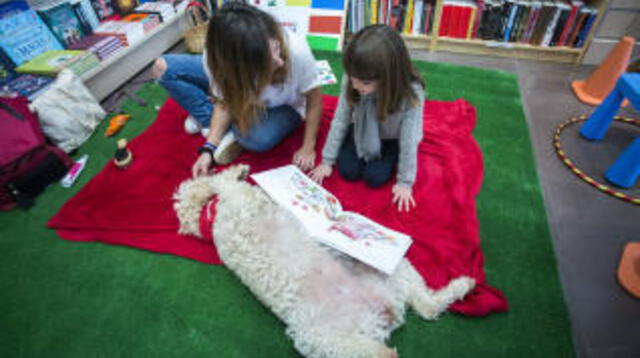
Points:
[(460, 286)]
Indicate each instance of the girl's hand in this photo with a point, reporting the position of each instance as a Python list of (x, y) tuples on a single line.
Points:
[(402, 197), (320, 172), (202, 165), (304, 158)]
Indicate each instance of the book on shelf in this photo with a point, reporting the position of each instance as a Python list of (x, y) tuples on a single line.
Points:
[(25, 85), (102, 8), (11, 8), (86, 14), (50, 63), (163, 9), (63, 22), (103, 46), (23, 35), (128, 32), (323, 217)]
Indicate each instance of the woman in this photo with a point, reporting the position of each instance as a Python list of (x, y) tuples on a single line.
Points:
[(253, 86)]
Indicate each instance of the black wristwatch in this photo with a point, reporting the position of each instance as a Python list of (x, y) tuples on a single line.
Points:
[(208, 147)]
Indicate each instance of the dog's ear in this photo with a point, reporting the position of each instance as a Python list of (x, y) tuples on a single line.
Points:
[(243, 172), (237, 172)]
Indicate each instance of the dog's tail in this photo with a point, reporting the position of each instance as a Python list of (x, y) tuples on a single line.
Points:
[(190, 197)]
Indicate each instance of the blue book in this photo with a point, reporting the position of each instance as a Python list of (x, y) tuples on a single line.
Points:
[(24, 36), (587, 27), (63, 23), (11, 8), (512, 15)]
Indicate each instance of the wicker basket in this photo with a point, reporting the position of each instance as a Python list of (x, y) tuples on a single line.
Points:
[(194, 37)]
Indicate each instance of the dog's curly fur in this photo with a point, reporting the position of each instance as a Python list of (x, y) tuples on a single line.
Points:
[(332, 305)]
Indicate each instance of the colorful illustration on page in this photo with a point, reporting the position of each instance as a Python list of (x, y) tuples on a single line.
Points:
[(360, 230), (309, 197)]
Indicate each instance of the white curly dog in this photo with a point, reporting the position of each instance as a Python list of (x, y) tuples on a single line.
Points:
[(332, 305)]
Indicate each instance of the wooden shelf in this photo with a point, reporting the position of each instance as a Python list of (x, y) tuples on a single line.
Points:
[(508, 49), (505, 49), (119, 68)]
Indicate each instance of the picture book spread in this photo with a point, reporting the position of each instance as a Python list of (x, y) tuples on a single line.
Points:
[(323, 217)]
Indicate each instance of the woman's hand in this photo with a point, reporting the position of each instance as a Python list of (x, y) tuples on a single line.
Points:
[(202, 165), (320, 172), (402, 197), (304, 158)]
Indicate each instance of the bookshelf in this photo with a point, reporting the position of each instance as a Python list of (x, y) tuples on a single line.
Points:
[(564, 54), (121, 67)]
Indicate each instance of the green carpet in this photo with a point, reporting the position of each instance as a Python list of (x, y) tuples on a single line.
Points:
[(66, 299)]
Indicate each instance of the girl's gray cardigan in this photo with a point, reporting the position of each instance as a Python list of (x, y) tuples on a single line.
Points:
[(404, 125)]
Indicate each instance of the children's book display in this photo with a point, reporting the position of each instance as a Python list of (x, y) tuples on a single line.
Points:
[(63, 22), (322, 216), (24, 35), (52, 62)]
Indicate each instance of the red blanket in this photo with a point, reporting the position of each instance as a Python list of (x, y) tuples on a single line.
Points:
[(133, 207)]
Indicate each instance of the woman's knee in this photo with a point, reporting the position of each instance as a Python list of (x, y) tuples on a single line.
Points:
[(159, 68)]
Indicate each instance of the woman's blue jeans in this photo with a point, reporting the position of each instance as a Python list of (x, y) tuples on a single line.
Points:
[(187, 83)]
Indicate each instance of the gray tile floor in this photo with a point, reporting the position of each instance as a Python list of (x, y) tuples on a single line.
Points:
[(589, 229)]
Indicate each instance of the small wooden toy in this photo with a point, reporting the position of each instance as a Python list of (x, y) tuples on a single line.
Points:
[(123, 156), (116, 123)]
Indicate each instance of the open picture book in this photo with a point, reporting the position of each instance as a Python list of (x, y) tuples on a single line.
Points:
[(322, 216)]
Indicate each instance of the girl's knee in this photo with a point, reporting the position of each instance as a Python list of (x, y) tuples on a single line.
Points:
[(349, 171), (159, 68), (376, 178)]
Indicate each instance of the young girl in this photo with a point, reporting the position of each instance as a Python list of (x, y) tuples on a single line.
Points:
[(262, 86), (378, 122)]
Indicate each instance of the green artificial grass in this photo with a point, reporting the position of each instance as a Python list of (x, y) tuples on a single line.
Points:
[(66, 299)]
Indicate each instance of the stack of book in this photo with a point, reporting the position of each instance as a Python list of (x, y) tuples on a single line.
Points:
[(129, 33), (148, 21), (163, 9), (103, 46), (52, 62)]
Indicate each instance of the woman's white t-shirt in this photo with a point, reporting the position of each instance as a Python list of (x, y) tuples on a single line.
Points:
[(302, 77)]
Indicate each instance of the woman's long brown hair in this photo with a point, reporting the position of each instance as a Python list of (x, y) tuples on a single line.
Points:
[(378, 53), (239, 59)]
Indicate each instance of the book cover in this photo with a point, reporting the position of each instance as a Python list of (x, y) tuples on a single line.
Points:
[(63, 22), (102, 8), (7, 67), (24, 35), (322, 216), (50, 63), (27, 85), (11, 8)]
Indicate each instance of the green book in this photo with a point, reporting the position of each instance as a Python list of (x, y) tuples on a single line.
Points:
[(51, 62)]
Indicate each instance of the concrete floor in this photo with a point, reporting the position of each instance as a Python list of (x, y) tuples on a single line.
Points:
[(589, 229)]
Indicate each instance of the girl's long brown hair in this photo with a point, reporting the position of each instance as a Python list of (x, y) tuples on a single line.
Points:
[(378, 53), (239, 59)]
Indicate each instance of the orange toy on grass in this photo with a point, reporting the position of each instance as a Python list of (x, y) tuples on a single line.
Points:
[(116, 123)]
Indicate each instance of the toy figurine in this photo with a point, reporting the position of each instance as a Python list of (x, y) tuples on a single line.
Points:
[(123, 156)]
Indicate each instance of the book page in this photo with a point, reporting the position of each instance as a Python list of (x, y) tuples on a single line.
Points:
[(291, 188), (367, 241), (321, 214)]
